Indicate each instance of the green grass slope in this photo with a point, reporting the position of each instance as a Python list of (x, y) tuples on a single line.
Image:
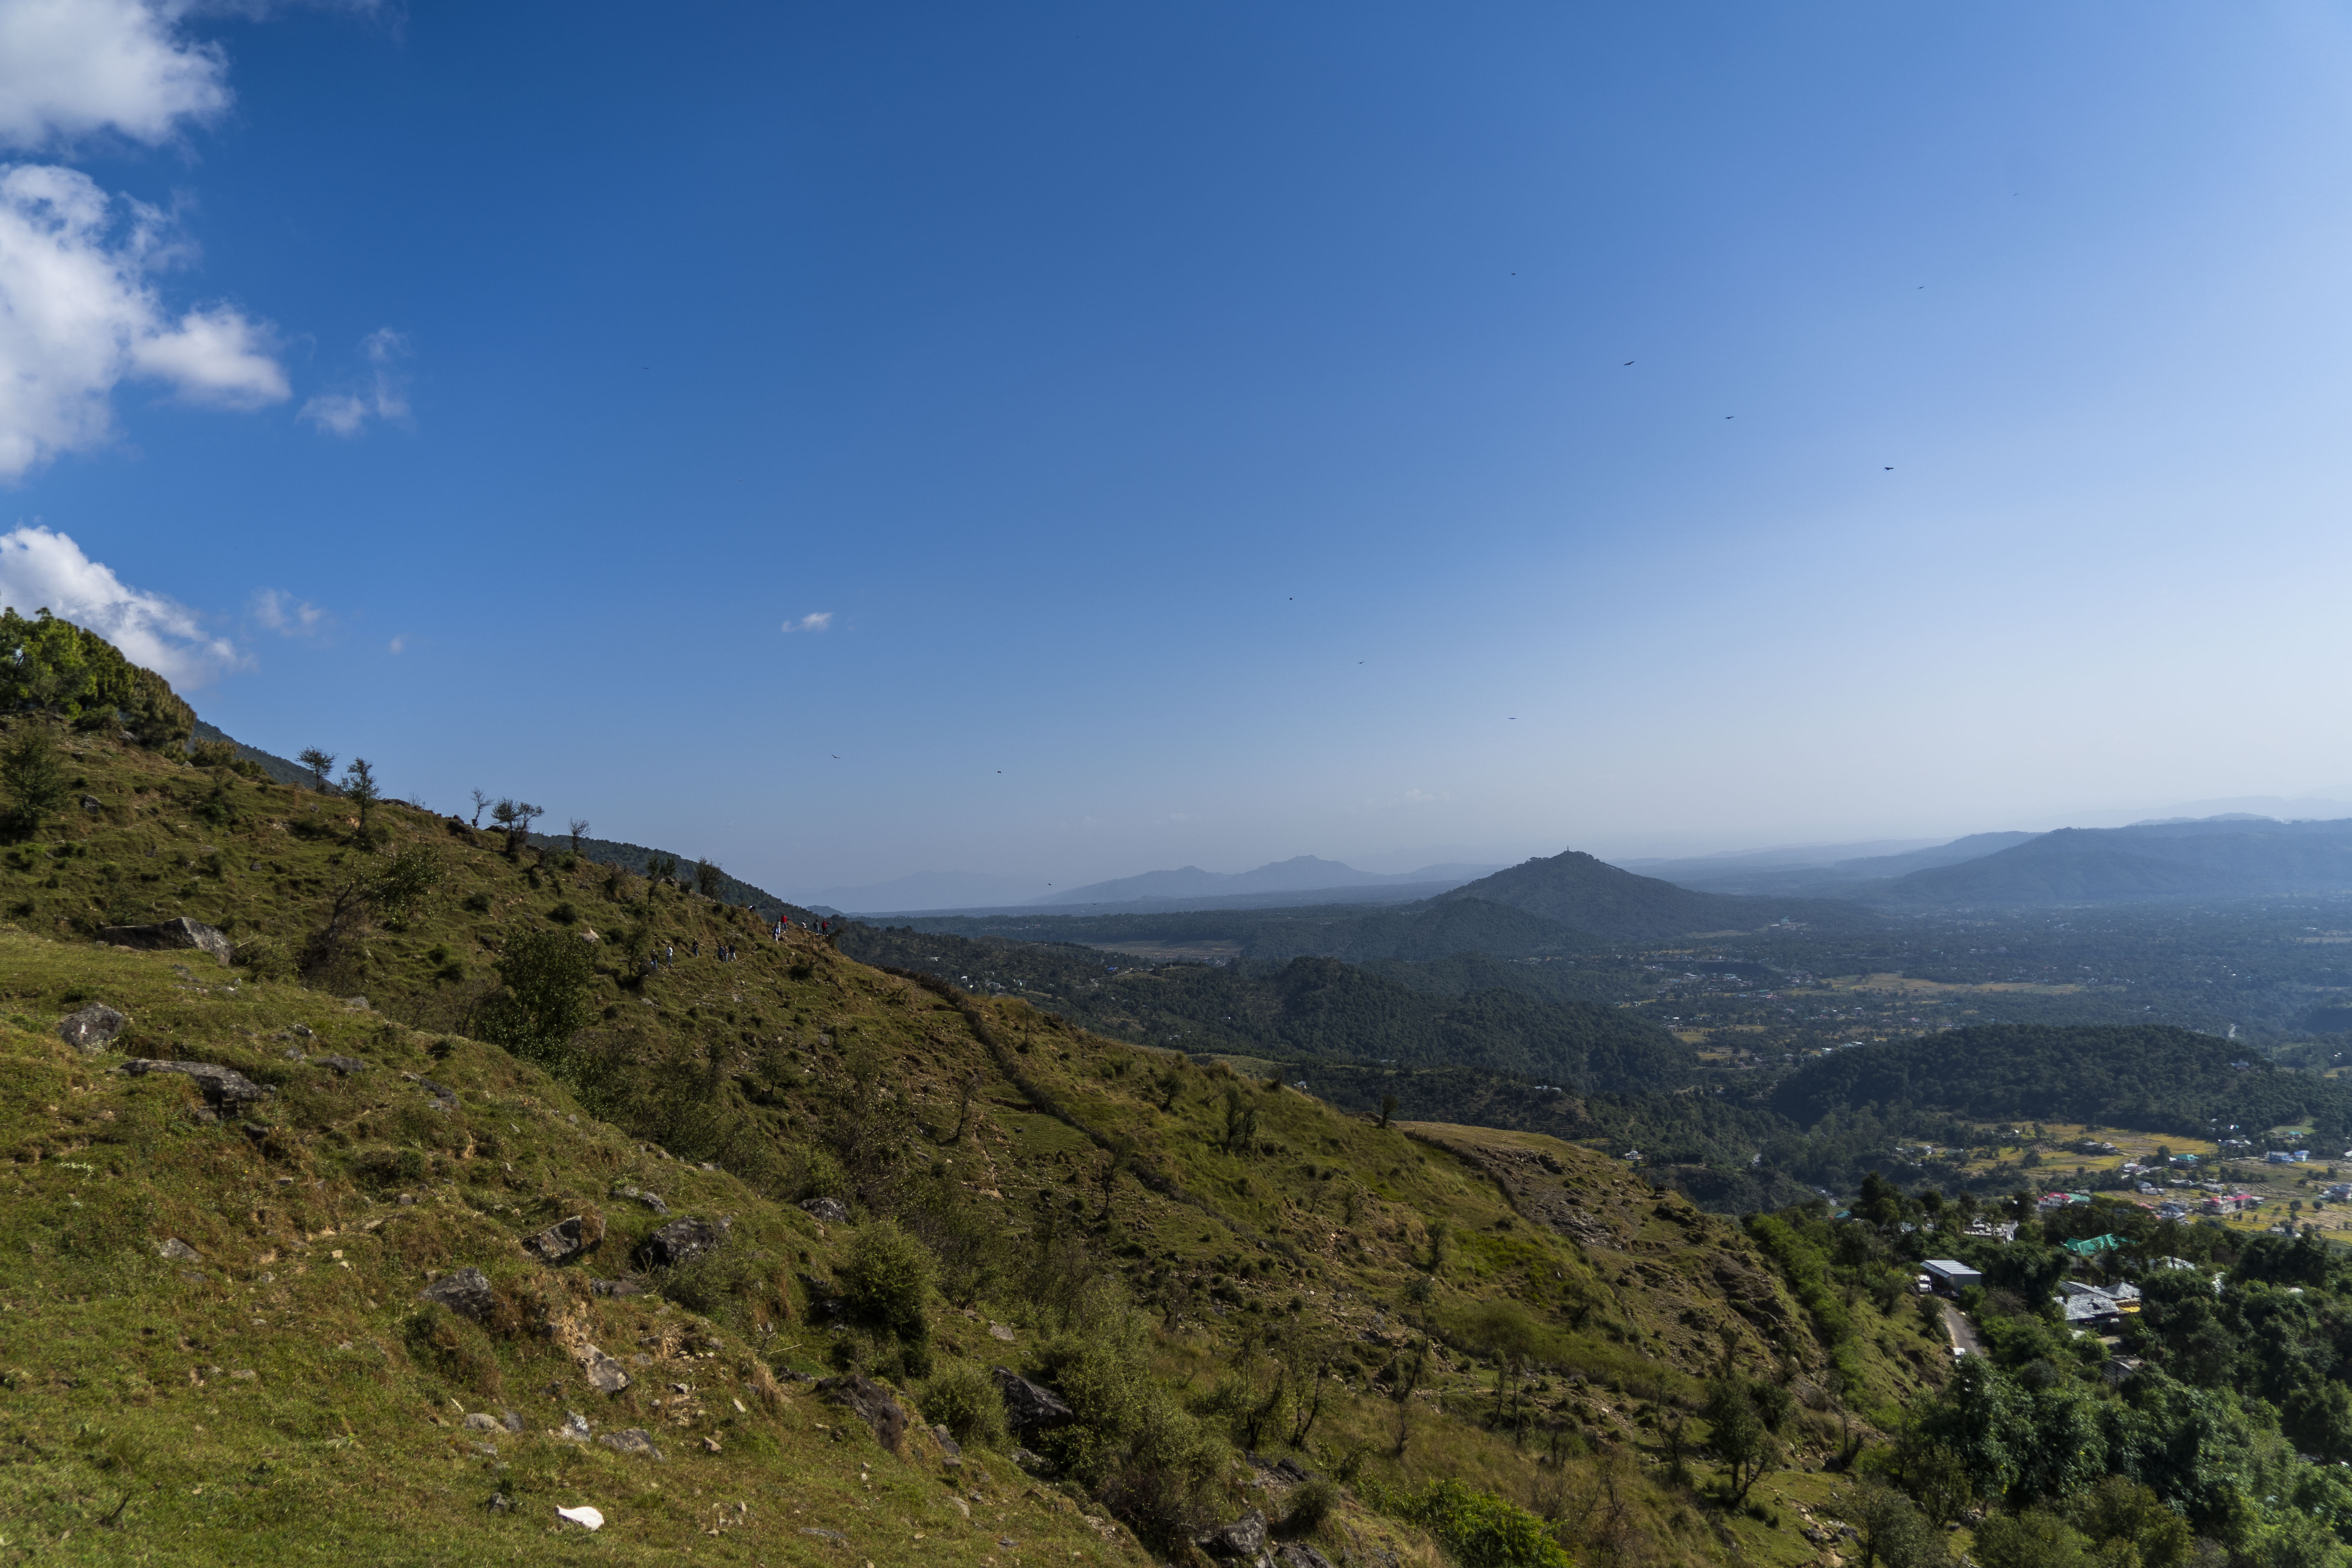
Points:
[(1203, 1265)]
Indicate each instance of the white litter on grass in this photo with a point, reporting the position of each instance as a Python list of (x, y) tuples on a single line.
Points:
[(586, 1518)]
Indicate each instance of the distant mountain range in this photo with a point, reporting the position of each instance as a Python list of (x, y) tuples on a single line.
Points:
[(2218, 858), (1756, 874), (2235, 855), (1302, 878)]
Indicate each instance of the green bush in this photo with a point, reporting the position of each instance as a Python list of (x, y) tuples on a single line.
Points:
[(543, 1001), (887, 1282), (441, 1341), (1310, 1502), (966, 1401), (1478, 1530)]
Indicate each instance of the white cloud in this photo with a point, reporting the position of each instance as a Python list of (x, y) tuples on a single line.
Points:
[(71, 68), (399, 645), (384, 395), (78, 316), (1424, 797), (40, 569), (284, 614), (811, 622)]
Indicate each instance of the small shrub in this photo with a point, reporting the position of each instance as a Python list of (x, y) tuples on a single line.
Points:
[(478, 902), (563, 914), (1311, 1502), (887, 1282), (1478, 1530), (443, 1342), (966, 1401)]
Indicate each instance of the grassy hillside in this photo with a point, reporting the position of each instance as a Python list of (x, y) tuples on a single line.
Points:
[(1201, 1264)]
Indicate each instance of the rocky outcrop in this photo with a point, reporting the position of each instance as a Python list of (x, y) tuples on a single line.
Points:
[(562, 1241), (178, 932), (870, 1403), (826, 1210), (222, 1086), (681, 1241), (1029, 1406), (93, 1028), (466, 1292)]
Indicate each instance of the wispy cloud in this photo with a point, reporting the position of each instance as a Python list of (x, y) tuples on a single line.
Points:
[(816, 622), (281, 613), (399, 644), (1424, 797), (42, 570), (381, 392)]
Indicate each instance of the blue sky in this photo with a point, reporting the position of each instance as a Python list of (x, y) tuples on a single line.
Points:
[(1202, 434)]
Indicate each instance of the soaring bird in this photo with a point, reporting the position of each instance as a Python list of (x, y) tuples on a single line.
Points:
[(1629, 361)]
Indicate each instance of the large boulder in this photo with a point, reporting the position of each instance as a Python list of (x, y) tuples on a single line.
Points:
[(1028, 1405), (466, 1292), (681, 1241), (870, 1403), (93, 1028), (1243, 1539), (826, 1210), (606, 1375), (178, 932), (562, 1241), (222, 1086)]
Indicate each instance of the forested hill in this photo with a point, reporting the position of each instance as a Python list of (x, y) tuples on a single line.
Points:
[(2151, 1077), (1358, 934), (1309, 1007), (1579, 891)]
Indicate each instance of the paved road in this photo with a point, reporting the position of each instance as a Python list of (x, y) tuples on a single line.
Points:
[(1964, 1333)]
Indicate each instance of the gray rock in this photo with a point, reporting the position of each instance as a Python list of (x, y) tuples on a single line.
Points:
[(466, 1292), (178, 1251), (477, 1421), (833, 1535), (947, 1445), (1026, 1405), (222, 1086), (1244, 1539), (344, 1065), (618, 1287), (1298, 1554), (826, 1210), (91, 802), (560, 1242), (91, 1029), (631, 1441), (498, 1504), (681, 1241), (1291, 1470), (298, 1032), (513, 1421), (870, 1403), (605, 1374), (180, 932), (651, 1200), (576, 1427)]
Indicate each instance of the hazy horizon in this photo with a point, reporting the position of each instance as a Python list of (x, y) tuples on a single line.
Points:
[(1067, 444)]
